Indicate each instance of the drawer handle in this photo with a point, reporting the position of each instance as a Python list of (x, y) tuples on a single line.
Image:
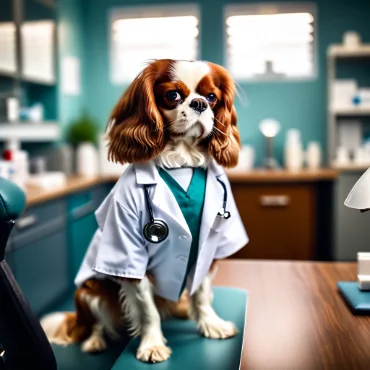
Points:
[(26, 221), (274, 200), (83, 210)]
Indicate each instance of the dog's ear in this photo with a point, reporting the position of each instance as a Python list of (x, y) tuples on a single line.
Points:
[(135, 128), (224, 145)]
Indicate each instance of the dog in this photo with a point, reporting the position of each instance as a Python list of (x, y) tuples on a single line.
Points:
[(178, 115)]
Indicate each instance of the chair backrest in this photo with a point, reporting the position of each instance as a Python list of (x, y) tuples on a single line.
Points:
[(23, 342)]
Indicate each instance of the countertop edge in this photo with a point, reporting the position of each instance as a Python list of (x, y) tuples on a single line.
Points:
[(75, 184)]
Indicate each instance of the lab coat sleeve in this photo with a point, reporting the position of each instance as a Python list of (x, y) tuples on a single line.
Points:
[(234, 236), (122, 250)]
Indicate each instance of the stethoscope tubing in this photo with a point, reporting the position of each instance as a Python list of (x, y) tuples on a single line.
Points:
[(162, 225)]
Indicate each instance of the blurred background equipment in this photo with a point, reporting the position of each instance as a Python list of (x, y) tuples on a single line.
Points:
[(269, 128)]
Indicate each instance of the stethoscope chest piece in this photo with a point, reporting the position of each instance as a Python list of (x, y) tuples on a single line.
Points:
[(155, 231), (223, 213)]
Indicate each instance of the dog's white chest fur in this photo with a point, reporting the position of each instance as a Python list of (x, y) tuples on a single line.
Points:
[(181, 152)]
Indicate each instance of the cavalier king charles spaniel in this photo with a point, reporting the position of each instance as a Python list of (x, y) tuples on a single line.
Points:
[(179, 114)]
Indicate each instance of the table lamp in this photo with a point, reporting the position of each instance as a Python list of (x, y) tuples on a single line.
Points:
[(357, 293), (269, 128)]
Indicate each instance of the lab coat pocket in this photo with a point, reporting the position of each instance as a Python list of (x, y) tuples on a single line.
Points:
[(219, 223)]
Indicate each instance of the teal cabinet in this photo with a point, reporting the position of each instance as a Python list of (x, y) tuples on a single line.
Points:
[(48, 243), (40, 264), (81, 231), (82, 223)]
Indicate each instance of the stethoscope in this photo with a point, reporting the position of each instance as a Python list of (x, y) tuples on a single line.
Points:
[(156, 230)]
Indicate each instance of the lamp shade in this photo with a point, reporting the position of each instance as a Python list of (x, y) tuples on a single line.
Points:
[(359, 196), (269, 127)]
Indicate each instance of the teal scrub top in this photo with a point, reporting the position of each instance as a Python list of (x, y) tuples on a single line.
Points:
[(191, 204)]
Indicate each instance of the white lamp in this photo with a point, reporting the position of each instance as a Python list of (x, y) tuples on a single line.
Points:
[(269, 128)]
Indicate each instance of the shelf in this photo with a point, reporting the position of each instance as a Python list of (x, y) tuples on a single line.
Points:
[(353, 111), (30, 132), (28, 79), (38, 81), (350, 167), (8, 74), (337, 51)]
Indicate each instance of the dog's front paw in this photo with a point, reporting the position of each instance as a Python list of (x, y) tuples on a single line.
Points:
[(155, 353), (217, 328), (94, 344)]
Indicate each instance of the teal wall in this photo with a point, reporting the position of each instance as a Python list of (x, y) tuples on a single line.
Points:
[(70, 43), (299, 104)]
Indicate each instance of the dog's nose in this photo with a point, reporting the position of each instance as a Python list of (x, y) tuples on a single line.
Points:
[(199, 105)]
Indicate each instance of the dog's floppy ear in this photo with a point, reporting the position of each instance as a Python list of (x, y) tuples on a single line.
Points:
[(135, 128), (224, 145)]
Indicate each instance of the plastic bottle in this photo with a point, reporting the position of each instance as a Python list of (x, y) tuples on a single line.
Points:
[(313, 155), (87, 160), (293, 151), (19, 162)]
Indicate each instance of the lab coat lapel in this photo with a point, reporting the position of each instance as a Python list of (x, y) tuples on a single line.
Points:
[(166, 201), (212, 202)]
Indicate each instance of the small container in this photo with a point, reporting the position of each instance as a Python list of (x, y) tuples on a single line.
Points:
[(61, 159), (87, 161), (37, 165), (342, 156), (293, 151), (36, 113), (351, 40), (360, 157), (6, 170), (246, 160), (313, 156), (12, 109)]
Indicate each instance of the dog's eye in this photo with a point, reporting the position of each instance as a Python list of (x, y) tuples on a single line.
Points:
[(173, 96), (211, 97)]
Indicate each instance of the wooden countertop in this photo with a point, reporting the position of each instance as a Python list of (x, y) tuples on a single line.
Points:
[(74, 184), (296, 318)]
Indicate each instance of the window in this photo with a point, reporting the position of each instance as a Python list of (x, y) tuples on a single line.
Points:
[(144, 33), (271, 42)]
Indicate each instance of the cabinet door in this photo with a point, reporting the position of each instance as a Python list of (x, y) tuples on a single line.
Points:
[(38, 42), (82, 230), (8, 58), (41, 269), (279, 220)]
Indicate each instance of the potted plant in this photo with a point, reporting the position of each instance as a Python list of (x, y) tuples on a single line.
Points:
[(82, 135)]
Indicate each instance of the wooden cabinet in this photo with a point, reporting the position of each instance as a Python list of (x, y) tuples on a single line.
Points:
[(287, 215), (279, 220)]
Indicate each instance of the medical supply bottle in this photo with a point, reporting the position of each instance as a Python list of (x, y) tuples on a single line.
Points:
[(18, 162), (293, 151)]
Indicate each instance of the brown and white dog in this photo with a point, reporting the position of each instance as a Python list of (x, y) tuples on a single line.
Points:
[(177, 113)]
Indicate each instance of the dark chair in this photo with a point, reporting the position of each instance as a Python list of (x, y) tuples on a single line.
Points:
[(22, 339), (23, 344)]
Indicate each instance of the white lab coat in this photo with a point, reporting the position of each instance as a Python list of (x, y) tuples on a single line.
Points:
[(119, 248)]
